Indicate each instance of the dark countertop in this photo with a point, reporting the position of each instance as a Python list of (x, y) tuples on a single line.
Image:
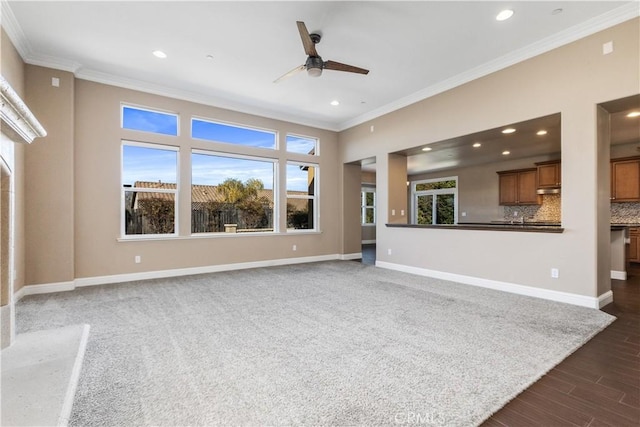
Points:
[(526, 227)]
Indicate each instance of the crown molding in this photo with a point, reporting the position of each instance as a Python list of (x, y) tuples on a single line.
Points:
[(14, 30), (584, 29), (211, 100)]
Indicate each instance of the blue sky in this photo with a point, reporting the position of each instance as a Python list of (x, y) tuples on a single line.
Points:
[(149, 164)]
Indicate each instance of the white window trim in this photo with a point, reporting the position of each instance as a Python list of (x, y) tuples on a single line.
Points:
[(151, 110), (123, 190), (315, 197), (276, 207), (297, 135), (415, 194), (364, 206), (236, 125)]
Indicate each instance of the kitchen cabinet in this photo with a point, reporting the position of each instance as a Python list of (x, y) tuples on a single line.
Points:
[(518, 187), (633, 255), (549, 174), (625, 179)]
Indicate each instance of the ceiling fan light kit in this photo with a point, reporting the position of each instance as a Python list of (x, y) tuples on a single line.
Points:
[(314, 63)]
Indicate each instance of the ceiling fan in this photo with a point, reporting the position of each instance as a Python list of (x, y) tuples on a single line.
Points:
[(314, 64)]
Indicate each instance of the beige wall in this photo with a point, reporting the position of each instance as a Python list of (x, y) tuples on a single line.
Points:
[(49, 183), (351, 230), (97, 152), (12, 69), (571, 80)]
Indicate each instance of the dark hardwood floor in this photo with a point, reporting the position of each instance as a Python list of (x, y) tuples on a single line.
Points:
[(599, 384)]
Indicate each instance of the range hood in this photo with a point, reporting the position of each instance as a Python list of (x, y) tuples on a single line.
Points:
[(548, 190)]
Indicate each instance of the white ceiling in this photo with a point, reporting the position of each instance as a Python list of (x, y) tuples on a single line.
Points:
[(413, 49)]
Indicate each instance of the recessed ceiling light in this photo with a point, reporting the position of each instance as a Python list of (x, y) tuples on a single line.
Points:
[(209, 56), (426, 149), (504, 15), (506, 152), (633, 114), (556, 11), (476, 145), (335, 102), (159, 54), (508, 130), (541, 132)]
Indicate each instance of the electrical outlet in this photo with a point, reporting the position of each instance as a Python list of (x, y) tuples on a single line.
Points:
[(138, 259), (295, 248), (555, 273), (393, 212), (402, 212), (464, 214), (515, 213)]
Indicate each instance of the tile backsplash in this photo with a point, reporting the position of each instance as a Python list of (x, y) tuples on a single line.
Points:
[(548, 211), (625, 213)]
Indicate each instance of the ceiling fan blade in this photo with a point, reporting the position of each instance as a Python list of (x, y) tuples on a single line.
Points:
[(309, 45), (337, 66), (290, 73)]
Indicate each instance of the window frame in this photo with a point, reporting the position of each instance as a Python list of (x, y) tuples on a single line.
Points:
[(124, 190), (151, 110), (235, 125), (276, 208), (364, 206), (315, 197), (415, 194), (316, 151)]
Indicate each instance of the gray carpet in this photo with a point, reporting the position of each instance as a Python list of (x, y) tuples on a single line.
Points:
[(333, 343)]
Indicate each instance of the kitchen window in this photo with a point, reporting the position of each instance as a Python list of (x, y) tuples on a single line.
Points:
[(368, 206), (435, 201)]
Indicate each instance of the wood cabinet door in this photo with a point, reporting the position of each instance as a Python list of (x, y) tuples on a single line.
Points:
[(508, 188), (634, 250), (549, 175), (527, 187), (625, 181)]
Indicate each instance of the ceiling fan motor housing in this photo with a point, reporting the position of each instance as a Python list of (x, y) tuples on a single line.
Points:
[(314, 66)]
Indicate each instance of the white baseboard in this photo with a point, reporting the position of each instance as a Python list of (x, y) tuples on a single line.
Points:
[(368, 242), (604, 299), (349, 257), (548, 294), (128, 277), (618, 275), (17, 296)]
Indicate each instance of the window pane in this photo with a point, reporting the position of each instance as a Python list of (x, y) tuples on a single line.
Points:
[(231, 195), (149, 213), (445, 207), (300, 214), (302, 145), (149, 121), (300, 179), (369, 199), (143, 164), (435, 185), (425, 210), (369, 216), (219, 132)]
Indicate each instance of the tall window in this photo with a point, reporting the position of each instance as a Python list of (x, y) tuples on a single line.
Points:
[(302, 196), (435, 201), (232, 134), (368, 208), (149, 189), (231, 194), (147, 120)]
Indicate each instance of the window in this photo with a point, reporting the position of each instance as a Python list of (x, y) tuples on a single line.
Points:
[(301, 196), (149, 189), (301, 145), (368, 210), (435, 201), (149, 120), (230, 134), (231, 194)]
